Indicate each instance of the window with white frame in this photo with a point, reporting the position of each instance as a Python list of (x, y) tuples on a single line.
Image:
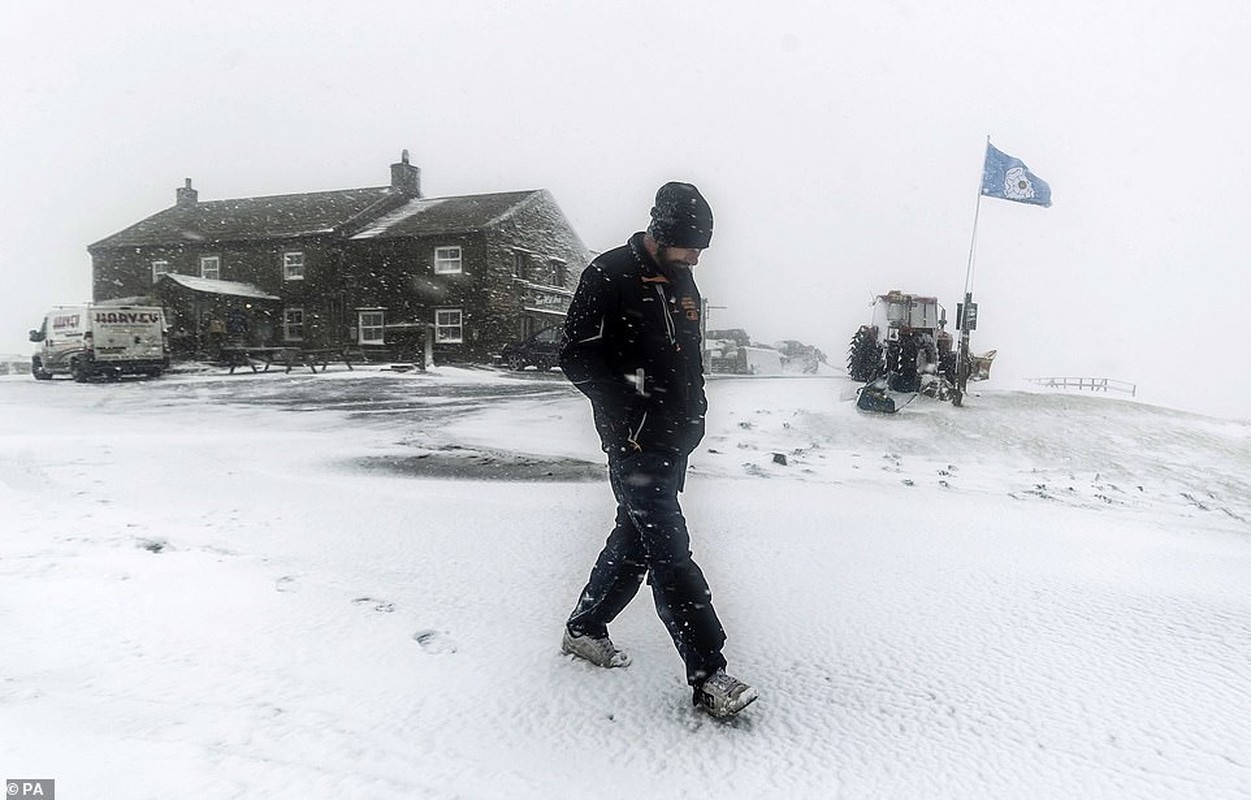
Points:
[(159, 268), (446, 260), (292, 266), (448, 326), (370, 327), (211, 267), (293, 324)]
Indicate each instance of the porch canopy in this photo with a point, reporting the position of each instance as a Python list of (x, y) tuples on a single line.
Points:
[(212, 286), (207, 314)]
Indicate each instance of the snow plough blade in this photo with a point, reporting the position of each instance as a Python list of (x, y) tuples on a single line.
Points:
[(877, 397)]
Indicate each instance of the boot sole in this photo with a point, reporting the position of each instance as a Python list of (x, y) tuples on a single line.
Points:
[(729, 712)]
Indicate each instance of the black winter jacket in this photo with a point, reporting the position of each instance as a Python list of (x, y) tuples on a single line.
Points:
[(631, 344)]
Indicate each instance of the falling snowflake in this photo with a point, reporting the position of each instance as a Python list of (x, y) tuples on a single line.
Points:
[(1017, 185)]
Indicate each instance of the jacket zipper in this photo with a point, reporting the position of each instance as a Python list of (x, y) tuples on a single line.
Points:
[(670, 329)]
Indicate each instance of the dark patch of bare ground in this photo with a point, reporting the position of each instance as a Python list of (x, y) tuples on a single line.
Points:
[(484, 465)]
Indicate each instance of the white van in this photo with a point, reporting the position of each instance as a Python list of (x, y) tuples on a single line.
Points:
[(100, 340)]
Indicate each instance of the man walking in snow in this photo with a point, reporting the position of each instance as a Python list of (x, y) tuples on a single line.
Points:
[(632, 345)]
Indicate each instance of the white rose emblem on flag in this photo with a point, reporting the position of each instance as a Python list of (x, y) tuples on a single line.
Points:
[(1017, 185), (1008, 178)]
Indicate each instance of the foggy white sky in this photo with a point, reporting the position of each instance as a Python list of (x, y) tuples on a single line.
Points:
[(841, 150)]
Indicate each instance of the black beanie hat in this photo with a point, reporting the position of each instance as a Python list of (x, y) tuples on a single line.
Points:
[(681, 217)]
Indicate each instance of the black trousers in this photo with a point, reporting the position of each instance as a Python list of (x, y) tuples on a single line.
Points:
[(650, 538)]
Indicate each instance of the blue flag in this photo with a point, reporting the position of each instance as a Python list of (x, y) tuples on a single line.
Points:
[(1008, 178)]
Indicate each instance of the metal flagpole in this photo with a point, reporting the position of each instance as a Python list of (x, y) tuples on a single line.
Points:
[(967, 308)]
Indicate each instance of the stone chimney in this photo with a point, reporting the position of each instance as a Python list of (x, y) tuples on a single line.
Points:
[(405, 178), (186, 196)]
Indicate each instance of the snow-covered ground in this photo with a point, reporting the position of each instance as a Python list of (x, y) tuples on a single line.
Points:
[(322, 586)]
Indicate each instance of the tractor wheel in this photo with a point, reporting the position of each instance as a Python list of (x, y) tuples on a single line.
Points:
[(36, 369), (902, 364), (864, 356)]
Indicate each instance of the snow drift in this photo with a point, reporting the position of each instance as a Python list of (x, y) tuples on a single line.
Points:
[(352, 584)]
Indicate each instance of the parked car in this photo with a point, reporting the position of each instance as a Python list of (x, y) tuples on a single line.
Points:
[(539, 350)]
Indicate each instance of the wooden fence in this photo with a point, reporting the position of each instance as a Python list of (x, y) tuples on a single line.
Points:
[(1091, 384)]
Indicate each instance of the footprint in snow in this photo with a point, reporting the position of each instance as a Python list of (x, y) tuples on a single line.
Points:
[(755, 470), (435, 642), (381, 606)]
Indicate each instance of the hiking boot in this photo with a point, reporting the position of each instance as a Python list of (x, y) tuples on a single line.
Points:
[(723, 696), (600, 652)]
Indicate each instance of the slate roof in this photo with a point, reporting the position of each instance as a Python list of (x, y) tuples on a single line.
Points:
[(440, 215), (357, 213), (251, 218)]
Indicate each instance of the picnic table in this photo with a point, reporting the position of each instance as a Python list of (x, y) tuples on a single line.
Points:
[(260, 359)]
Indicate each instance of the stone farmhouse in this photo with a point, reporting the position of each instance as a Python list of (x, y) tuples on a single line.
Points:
[(385, 271)]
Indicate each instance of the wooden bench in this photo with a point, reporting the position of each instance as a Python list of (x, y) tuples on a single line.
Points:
[(322, 357), (253, 357), (260, 359)]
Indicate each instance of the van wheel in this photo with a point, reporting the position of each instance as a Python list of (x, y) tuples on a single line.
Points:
[(36, 369)]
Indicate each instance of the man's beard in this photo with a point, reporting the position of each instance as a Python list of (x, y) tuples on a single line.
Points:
[(666, 259)]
